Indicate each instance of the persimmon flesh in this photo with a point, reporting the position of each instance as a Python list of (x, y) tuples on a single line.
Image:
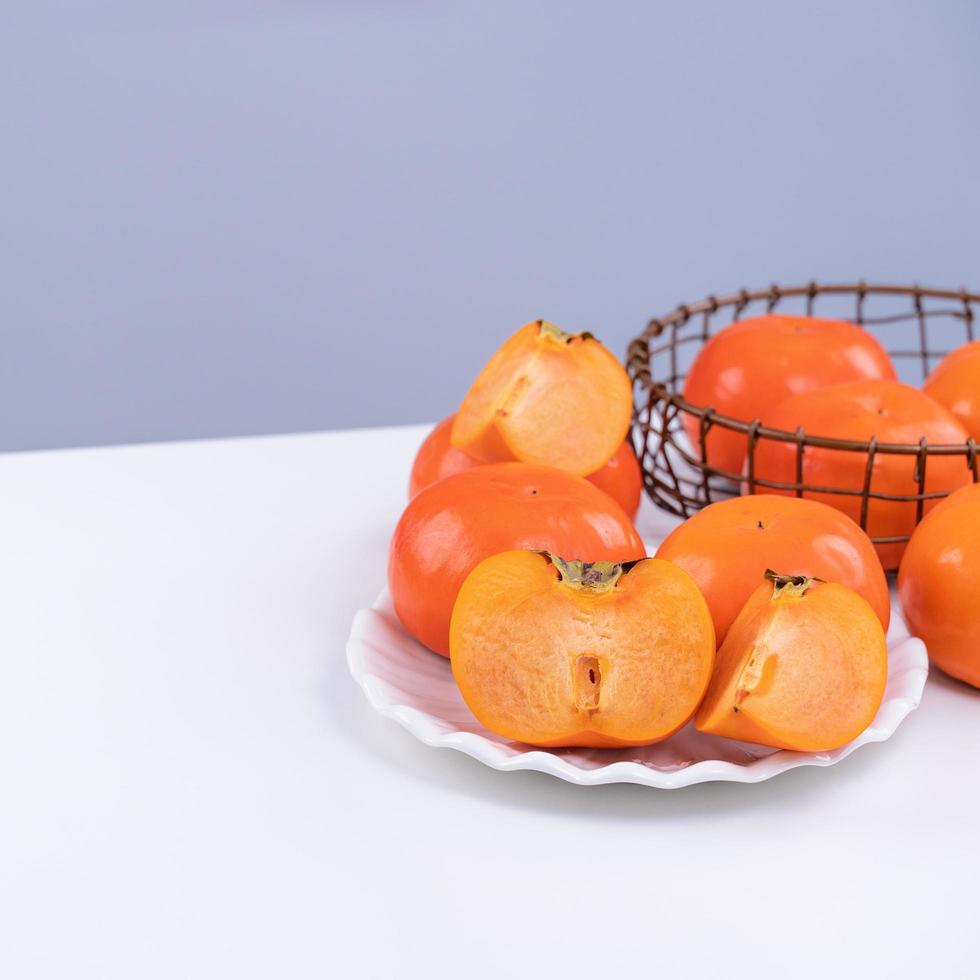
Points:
[(727, 546), (437, 458), (803, 667), (547, 397), (559, 653)]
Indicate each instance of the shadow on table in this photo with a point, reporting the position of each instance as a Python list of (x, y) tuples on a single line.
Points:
[(455, 772)]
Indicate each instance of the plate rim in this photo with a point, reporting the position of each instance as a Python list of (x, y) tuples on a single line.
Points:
[(425, 728)]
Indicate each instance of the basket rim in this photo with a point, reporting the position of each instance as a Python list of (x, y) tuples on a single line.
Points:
[(754, 429), (711, 303)]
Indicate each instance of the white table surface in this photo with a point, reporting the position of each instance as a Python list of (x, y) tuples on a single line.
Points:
[(192, 785)]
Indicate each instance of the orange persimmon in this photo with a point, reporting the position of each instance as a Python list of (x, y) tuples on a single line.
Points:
[(939, 584), (890, 411), (556, 652), (454, 524), (438, 458), (803, 667), (751, 365), (548, 397), (955, 383), (727, 546)]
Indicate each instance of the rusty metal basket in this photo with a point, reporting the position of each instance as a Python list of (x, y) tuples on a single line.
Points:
[(917, 325)]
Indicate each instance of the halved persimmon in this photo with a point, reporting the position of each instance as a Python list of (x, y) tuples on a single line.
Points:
[(456, 523), (803, 667), (438, 458), (939, 584), (548, 397), (889, 411), (955, 383), (727, 546), (753, 364), (556, 652)]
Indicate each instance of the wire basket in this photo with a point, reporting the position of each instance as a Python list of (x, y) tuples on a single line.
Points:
[(917, 326)]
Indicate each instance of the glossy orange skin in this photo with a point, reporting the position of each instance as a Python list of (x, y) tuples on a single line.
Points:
[(752, 365), (890, 411), (438, 458), (955, 383), (727, 547), (454, 524), (939, 584)]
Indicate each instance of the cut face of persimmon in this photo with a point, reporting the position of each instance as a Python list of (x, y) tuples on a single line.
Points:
[(803, 667), (555, 652), (547, 397)]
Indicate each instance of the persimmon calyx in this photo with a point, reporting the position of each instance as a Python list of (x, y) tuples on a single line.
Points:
[(795, 586), (551, 332), (596, 576)]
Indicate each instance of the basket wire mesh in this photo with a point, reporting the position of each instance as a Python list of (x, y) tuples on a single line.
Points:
[(917, 325)]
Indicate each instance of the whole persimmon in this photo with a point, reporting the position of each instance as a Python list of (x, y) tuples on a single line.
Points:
[(751, 365), (556, 652), (955, 383), (891, 412), (454, 524), (438, 458), (939, 584), (727, 546), (803, 667), (548, 397)]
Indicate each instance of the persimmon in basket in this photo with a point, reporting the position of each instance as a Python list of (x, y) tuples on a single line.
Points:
[(889, 411), (753, 364), (454, 524), (803, 667), (727, 546), (438, 458), (955, 383), (556, 652), (939, 584), (547, 397)]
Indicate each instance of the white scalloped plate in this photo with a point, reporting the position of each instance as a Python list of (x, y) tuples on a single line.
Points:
[(405, 681)]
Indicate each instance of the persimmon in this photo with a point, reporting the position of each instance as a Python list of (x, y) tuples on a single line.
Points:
[(803, 667), (454, 524), (889, 411), (621, 478), (438, 458), (939, 584), (557, 652), (751, 365), (727, 546), (955, 383), (548, 397)]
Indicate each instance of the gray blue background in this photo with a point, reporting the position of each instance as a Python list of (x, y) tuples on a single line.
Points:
[(229, 218)]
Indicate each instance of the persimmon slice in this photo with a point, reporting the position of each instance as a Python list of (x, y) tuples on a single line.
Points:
[(549, 397), (555, 652), (803, 667)]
